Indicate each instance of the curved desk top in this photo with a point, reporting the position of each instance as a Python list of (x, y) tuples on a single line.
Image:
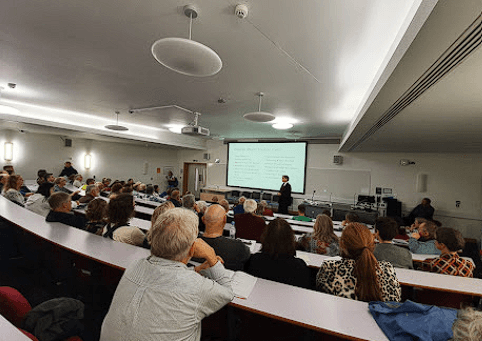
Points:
[(306, 308), (10, 332)]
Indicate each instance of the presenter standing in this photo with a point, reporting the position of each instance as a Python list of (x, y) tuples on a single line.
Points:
[(284, 195)]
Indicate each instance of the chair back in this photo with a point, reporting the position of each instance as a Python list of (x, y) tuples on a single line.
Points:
[(13, 306)]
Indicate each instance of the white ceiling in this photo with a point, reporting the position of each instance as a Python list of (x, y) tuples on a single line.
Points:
[(320, 63)]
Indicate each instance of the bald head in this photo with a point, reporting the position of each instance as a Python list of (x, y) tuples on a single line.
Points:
[(214, 218)]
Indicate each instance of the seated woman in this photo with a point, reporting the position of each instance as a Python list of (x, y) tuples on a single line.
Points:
[(449, 241), (264, 209), (277, 261), (11, 190), (96, 213), (120, 211), (39, 202), (323, 240), (358, 275), (115, 190), (424, 241)]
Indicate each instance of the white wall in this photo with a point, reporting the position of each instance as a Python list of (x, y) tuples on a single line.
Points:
[(109, 159), (450, 177)]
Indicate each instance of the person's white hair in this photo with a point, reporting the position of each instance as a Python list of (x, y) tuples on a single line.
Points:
[(188, 201), (468, 325), (173, 234), (202, 205), (250, 206)]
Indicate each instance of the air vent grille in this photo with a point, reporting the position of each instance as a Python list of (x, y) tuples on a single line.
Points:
[(466, 43)]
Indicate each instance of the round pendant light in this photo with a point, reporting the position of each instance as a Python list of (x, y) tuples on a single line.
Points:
[(116, 126), (186, 56), (259, 116)]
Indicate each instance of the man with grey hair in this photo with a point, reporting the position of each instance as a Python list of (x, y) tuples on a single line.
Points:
[(159, 297), (249, 225), (91, 192), (60, 211), (188, 201), (232, 251)]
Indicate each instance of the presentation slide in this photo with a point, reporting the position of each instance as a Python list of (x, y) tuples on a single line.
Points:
[(261, 165)]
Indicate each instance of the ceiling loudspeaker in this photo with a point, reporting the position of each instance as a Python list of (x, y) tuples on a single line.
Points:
[(338, 159), (206, 156), (68, 142)]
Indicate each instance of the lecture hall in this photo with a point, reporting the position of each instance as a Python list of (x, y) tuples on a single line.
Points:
[(239, 161)]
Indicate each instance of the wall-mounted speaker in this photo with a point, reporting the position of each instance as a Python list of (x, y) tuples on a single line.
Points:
[(338, 159), (421, 183), (68, 142)]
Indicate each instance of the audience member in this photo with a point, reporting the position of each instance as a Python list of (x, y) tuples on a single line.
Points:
[(127, 189), (171, 180), (323, 240), (91, 192), (239, 208), (263, 209), (301, 214), (385, 230), (358, 275), (468, 325), (416, 224), (225, 204), (3, 180), (39, 202), (49, 177), (249, 225), (163, 278), (96, 214), (115, 190), (78, 181), (423, 210), (120, 211), (165, 206), (449, 241), (90, 181), (200, 207), (9, 169), (11, 190), (189, 201), (68, 170), (350, 218), (423, 241), (176, 198), (60, 185), (232, 251), (41, 176), (277, 261), (106, 182), (60, 211), (327, 213)]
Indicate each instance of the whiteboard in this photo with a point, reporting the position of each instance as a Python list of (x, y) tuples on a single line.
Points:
[(339, 183)]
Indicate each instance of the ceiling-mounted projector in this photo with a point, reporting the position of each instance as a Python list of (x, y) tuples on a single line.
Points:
[(194, 128)]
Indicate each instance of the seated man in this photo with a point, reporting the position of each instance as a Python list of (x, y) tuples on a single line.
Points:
[(159, 297), (248, 225), (385, 230), (424, 241), (78, 180), (232, 251), (60, 185), (176, 198), (449, 241), (91, 192), (60, 211), (350, 218), (301, 214), (3, 179), (188, 201), (423, 210)]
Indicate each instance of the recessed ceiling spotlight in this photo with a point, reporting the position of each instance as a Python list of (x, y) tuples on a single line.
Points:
[(116, 126), (186, 56), (282, 126), (221, 100), (259, 116)]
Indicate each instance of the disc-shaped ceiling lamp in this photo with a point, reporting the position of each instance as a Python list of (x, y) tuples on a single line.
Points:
[(116, 126), (186, 56), (259, 116)]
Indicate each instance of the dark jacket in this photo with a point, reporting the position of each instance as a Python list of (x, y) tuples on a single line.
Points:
[(68, 171), (232, 251), (285, 197), (67, 219), (175, 202), (249, 226)]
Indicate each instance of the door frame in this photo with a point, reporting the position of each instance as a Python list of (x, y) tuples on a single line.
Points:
[(185, 174)]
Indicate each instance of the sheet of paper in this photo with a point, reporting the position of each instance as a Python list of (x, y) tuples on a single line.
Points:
[(243, 284)]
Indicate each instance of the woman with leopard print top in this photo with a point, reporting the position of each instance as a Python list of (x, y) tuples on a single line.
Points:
[(358, 275)]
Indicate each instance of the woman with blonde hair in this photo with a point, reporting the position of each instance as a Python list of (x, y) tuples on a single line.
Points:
[(323, 240), (358, 275)]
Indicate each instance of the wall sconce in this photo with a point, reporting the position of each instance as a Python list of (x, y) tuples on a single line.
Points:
[(8, 151), (87, 161)]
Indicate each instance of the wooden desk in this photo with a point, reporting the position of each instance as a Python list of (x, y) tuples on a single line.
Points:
[(208, 193)]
